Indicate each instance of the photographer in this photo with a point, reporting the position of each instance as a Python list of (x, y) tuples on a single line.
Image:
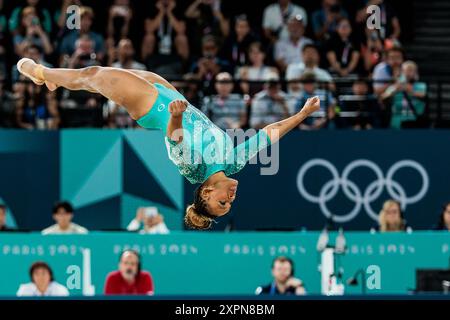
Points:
[(119, 18), (148, 221), (284, 282), (325, 20)]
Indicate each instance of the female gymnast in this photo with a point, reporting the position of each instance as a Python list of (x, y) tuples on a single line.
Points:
[(154, 103)]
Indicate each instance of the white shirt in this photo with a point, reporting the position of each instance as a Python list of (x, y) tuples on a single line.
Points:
[(273, 18), (73, 229), (296, 70), (54, 290), (160, 228), (290, 52)]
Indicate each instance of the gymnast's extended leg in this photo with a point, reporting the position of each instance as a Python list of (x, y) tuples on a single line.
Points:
[(125, 88)]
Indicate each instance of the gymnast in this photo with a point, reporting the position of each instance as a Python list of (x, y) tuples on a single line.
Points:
[(202, 152)]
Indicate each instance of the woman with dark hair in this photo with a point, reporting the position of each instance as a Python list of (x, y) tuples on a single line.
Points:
[(202, 152), (42, 283), (129, 279), (444, 218)]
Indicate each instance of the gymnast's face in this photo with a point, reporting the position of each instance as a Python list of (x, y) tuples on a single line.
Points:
[(220, 196)]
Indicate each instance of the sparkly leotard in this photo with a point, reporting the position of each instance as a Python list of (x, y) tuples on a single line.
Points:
[(205, 148)]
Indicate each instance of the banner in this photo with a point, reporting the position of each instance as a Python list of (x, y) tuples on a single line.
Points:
[(185, 263)]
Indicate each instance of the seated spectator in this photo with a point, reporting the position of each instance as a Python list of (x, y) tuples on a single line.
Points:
[(289, 51), (226, 110), (148, 221), (33, 52), (119, 17), (388, 71), (42, 283), (257, 70), (276, 17), (125, 53), (325, 116), (310, 64), (408, 95), (42, 14), (444, 218), (69, 42), (284, 282), (325, 20), (391, 218), (37, 108), (236, 45), (129, 279), (63, 215), (364, 104), (165, 47), (269, 105), (342, 52), (372, 52), (7, 107), (206, 17), (30, 31), (390, 24), (3, 226), (209, 65)]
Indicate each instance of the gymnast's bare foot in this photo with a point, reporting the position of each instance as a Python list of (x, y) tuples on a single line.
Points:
[(35, 72)]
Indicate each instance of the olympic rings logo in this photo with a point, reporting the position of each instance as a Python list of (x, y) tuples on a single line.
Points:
[(353, 192)]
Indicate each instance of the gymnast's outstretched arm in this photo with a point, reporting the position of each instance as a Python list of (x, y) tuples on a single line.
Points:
[(278, 129)]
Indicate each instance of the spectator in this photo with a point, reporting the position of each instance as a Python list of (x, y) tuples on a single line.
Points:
[(391, 218), (390, 24), (226, 110), (257, 70), (311, 60), (30, 31), (119, 17), (129, 279), (126, 56), (372, 52), (444, 218), (342, 53), (289, 51), (325, 116), (209, 65), (284, 282), (408, 95), (42, 283), (69, 42), (37, 108), (3, 39), (148, 221), (7, 107), (236, 45), (388, 71), (63, 215), (42, 14), (276, 17), (207, 18), (269, 105), (325, 20), (170, 44), (3, 226), (364, 104)]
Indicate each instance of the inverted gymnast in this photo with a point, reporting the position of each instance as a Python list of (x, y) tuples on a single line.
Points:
[(154, 103)]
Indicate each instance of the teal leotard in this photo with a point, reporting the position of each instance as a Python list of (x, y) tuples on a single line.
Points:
[(205, 148)]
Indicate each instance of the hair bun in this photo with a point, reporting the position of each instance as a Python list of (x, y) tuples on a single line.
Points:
[(194, 220)]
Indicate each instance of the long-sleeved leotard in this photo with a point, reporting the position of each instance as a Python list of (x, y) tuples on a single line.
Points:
[(205, 149)]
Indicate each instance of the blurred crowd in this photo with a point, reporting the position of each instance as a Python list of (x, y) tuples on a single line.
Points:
[(240, 73)]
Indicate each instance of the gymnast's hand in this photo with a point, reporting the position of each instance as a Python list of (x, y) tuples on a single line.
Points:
[(177, 107)]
